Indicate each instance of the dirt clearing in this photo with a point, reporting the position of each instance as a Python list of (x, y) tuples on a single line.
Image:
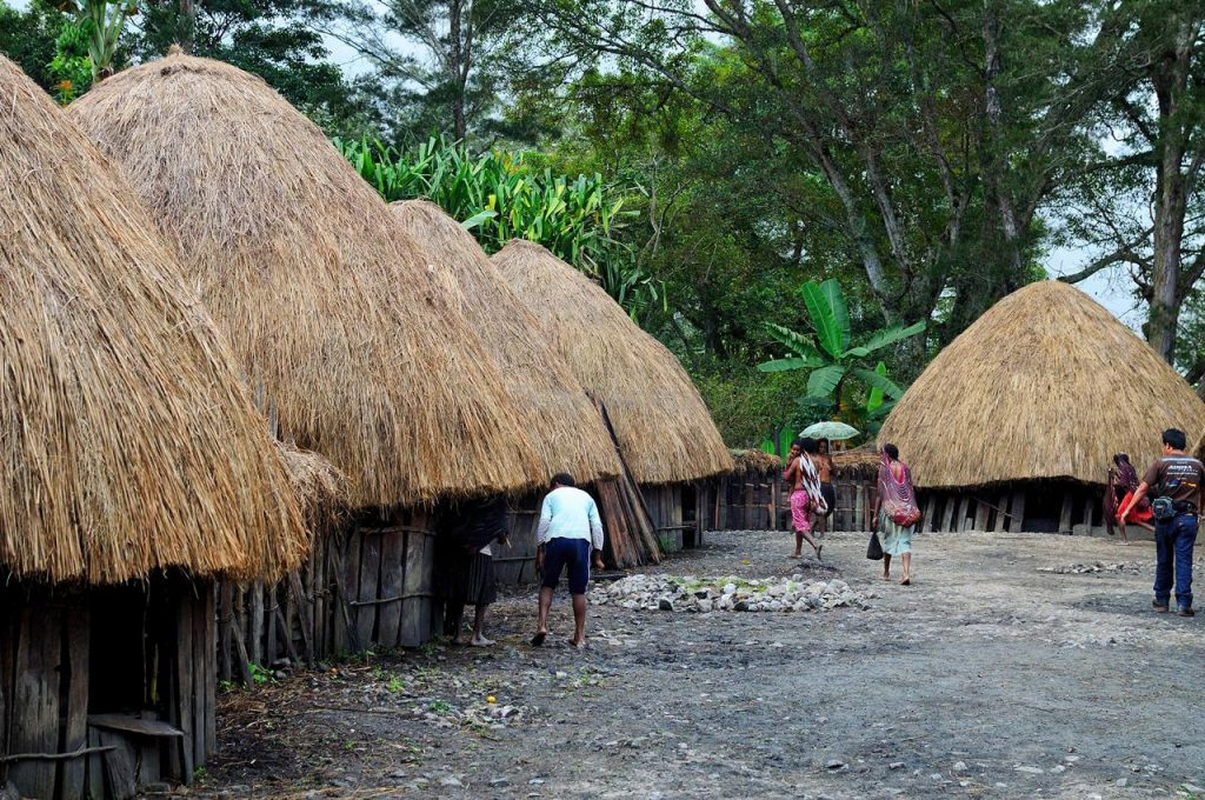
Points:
[(1015, 666)]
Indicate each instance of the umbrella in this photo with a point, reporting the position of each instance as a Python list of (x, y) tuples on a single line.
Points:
[(835, 431)]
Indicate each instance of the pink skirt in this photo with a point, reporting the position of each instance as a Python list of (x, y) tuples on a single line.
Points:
[(800, 505)]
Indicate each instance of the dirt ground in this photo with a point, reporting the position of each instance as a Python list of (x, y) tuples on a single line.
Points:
[(990, 676)]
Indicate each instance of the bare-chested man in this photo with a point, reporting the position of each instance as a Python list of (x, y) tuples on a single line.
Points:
[(801, 500), (824, 469)]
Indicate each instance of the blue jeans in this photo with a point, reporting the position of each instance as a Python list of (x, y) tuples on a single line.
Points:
[(1174, 540)]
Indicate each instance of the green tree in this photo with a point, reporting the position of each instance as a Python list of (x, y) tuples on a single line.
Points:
[(28, 39), (1144, 205), (446, 64), (840, 374), (273, 39), (937, 131)]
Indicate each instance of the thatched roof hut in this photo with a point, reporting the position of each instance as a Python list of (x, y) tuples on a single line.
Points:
[(568, 434), (665, 431), (130, 441), (347, 340), (1046, 385)]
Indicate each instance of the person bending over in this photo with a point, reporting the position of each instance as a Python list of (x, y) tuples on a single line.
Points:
[(570, 537)]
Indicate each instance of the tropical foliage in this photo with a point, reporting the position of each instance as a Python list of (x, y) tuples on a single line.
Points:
[(841, 377), (499, 196)]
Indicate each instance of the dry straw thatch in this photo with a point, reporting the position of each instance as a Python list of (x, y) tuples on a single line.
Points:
[(320, 489), (758, 461), (860, 462), (349, 341), (664, 430), (1046, 384), (567, 430), (129, 442)]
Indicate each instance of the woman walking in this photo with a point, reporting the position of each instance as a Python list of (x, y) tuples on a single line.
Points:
[(1123, 482), (896, 513)]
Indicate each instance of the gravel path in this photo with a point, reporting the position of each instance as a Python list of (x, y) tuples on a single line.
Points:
[(1013, 667)]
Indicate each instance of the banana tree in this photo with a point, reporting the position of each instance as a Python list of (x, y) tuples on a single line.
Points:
[(846, 377), (103, 21)]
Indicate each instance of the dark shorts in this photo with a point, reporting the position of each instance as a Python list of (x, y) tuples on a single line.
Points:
[(572, 553), (830, 498)]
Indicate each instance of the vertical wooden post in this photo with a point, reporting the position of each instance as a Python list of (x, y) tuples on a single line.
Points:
[(225, 615), (930, 507), (1065, 514), (255, 622), (370, 574), (981, 512), (393, 574), (181, 700), (270, 643), (949, 511), (75, 733), (1018, 512), (35, 722)]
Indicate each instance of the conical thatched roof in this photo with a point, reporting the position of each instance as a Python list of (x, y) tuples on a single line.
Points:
[(352, 344), (129, 442), (1046, 384), (665, 431), (567, 430)]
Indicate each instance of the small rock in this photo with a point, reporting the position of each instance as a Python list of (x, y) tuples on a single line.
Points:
[(896, 765), (834, 764), (499, 782), (451, 780), (1122, 782), (665, 604), (1192, 788), (960, 766), (1030, 770), (1058, 768)]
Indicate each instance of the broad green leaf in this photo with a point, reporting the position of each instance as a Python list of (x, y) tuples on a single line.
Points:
[(836, 301), (872, 378), (824, 320), (787, 364), (477, 219), (823, 382), (798, 344), (876, 392), (890, 336)]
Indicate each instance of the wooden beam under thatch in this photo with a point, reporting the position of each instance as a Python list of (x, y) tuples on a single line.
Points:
[(664, 429), (565, 429), (356, 349), (1046, 384), (129, 442)]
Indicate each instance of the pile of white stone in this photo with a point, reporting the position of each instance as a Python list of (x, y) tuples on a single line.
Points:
[(688, 593), (1089, 569)]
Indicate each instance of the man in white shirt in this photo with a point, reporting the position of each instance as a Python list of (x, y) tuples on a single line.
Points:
[(570, 532)]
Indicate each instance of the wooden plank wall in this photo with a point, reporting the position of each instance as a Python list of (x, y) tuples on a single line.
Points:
[(48, 745), (517, 565), (761, 501), (664, 502), (1075, 509), (371, 585)]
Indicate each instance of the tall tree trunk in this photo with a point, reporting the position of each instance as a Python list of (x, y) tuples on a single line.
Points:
[(995, 162), (187, 26), (1170, 78), (456, 67)]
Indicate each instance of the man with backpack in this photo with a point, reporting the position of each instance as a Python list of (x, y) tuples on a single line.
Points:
[(1178, 481)]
